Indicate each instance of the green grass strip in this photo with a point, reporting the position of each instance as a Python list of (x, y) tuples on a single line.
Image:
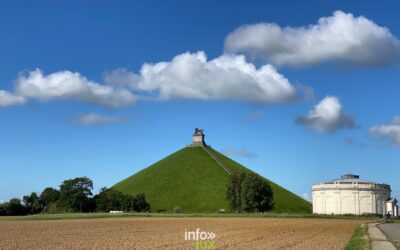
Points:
[(359, 240), (177, 215)]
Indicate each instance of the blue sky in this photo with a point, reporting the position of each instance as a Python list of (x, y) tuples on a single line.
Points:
[(299, 105)]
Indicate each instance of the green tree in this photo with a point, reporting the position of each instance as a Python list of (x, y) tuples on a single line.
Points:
[(15, 207), (257, 194), (109, 199), (136, 203), (75, 194), (234, 191), (49, 196), (128, 203), (141, 204), (3, 209), (32, 203)]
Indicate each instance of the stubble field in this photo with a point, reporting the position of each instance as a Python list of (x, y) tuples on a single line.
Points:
[(168, 233)]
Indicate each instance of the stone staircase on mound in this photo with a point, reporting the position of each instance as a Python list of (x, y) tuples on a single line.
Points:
[(218, 160)]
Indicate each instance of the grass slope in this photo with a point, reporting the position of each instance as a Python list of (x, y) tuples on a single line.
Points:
[(284, 200), (192, 180)]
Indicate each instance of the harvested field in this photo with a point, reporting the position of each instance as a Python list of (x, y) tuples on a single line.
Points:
[(168, 233)]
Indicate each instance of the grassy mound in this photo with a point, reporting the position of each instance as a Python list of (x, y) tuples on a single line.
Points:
[(192, 180)]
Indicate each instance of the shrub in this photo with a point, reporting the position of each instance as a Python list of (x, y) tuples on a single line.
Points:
[(257, 194), (234, 191)]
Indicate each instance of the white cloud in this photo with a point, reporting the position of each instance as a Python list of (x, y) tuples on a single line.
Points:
[(91, 119), (390, 132), (327, 116), (71, 85), (9, 99), (306, 197), (192, 76), (341, 36), (186, 76), (241, 153), (120, 78)]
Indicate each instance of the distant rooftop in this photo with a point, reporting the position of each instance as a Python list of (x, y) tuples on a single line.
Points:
[(350, 178), (353, 179)]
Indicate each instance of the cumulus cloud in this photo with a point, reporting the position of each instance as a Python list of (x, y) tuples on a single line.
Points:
[(327, 116), (241, 153), (186, 76), (192, 76), (9, 99), (389, 132), (341, 36), (120, 78), (91, 119), (70, 85)]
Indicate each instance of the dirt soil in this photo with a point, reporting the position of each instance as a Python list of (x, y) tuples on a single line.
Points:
[(168, 233)]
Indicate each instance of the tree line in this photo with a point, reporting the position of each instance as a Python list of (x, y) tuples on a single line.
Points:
[(249, 193), (74, 195)]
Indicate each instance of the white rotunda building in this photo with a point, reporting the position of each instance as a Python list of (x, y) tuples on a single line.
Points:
[(352, 195)]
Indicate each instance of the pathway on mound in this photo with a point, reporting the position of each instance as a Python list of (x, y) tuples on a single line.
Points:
[(219, 161)]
